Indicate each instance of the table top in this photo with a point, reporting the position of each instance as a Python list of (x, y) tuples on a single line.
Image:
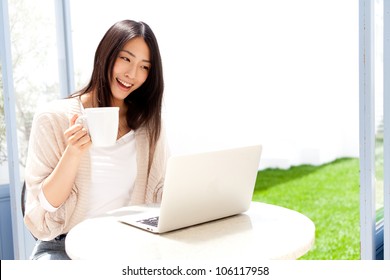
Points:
[(265, 231)]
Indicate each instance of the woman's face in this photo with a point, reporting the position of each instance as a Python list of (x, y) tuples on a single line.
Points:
[(131, 68)]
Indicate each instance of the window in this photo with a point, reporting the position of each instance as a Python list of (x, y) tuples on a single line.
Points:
[(32, 78), (35, 71), (34, 57)]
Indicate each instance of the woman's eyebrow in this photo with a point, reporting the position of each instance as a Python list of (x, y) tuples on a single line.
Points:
[(133, 55)]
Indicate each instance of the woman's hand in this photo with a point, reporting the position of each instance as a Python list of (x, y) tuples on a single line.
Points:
[(77, 137)]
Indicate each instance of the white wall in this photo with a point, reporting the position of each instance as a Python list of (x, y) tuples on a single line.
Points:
[(281, 73)]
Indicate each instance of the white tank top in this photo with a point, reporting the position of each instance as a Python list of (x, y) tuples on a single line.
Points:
[(113, 173)]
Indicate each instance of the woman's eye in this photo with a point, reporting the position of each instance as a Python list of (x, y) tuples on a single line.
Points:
[(125, 58), (145, 68)]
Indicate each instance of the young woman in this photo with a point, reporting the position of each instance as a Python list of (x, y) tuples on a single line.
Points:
[(67, 178)]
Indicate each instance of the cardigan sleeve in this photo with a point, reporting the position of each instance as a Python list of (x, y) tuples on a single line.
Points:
[(155, 184), (46, 146)]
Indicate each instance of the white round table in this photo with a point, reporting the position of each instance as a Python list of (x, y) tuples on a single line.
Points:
[(263, 232)]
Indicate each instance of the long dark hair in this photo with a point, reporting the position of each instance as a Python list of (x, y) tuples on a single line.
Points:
[(144, 104)]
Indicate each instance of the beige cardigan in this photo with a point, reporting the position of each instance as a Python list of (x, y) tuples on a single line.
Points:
[(47, 144)]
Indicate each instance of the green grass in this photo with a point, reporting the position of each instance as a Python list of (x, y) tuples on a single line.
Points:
[(328, 195)]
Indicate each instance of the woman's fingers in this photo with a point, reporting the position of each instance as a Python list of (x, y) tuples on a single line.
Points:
[(73, 119), (77, 136)]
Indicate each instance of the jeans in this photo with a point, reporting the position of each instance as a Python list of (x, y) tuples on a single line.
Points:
[(50, 250)]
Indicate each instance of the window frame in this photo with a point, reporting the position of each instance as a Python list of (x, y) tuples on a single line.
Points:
[(65, 48), (374, 235), (386, 118)]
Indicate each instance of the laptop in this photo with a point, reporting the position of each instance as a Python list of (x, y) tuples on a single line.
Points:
[(203, 187)]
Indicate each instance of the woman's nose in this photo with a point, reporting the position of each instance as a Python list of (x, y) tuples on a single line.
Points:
[(131, 72)]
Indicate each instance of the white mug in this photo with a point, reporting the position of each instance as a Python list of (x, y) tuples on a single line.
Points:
[(102, 124)]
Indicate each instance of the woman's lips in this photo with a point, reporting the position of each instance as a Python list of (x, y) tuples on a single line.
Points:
[(124, 84)]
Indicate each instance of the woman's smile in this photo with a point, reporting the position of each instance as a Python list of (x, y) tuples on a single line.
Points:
[(124, 85)]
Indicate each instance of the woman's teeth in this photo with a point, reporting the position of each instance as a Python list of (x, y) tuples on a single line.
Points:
[(124, 83)]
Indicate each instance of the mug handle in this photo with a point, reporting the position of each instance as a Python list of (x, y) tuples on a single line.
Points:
[(83, 121)]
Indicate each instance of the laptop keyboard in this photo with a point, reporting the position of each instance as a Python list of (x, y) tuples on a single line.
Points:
[(150, 221)]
